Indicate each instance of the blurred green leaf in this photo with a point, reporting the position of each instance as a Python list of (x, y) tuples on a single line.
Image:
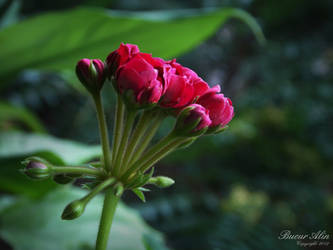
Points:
[(27, 225), (69, 152), (14, 147), (9, 113), (93, 33)]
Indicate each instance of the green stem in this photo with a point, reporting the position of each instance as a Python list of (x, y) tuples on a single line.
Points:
[(109, 208), (98, 189), (78, 170), (103, 130), (149, 154), (162, 153), (147, 138), (118, 127), (137, 135), (124, 140)]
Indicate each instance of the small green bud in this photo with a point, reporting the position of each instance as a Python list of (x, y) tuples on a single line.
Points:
[(62, 179), (161, 181), (37, 168), (73, 210)]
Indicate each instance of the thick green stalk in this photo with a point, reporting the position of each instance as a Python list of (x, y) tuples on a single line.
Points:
[(117, 128), (166, 141), (147, 138), (109, 209), (78, 170), (124, 140), (136, 137), (103, 130)]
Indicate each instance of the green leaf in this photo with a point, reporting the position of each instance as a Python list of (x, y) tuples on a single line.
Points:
[(68, 152), (140, 194), (27, 225), (9, 113), (14, 147), (93, 33)]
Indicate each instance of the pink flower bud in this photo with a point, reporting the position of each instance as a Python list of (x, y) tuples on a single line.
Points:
[(120, 56), (193, 120), (91, 73), (220, 107), (37, 168), (182, 86), (140, 76)]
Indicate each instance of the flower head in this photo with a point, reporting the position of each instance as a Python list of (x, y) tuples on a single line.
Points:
[(139, 80), (182, 86), (120, 56)]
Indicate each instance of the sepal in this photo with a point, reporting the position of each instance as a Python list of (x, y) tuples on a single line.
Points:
[(216, 130), (140, 179), (192, 121), (187, 143), (139, 193), (131, 102)]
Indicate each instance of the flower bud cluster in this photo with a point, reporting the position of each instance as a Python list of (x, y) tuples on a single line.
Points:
[(145, 81)]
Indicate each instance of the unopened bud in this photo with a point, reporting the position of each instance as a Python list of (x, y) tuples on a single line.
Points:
[(193, 120), (37, 168), (73, 210), (161, 181), (91, 74)]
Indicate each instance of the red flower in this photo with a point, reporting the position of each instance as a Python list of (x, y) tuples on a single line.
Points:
[(141, 76), (91, 73), (182, 86), (220, 108), (120, 56)]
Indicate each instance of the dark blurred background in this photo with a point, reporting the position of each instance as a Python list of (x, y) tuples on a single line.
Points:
[(271, 171)]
